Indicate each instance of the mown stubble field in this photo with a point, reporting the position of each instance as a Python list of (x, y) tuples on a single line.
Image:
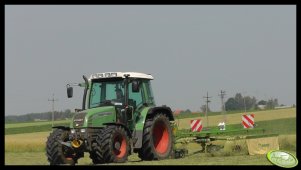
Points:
[(29, 148)]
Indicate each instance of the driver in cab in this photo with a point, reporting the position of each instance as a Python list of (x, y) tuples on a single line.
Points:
[(119, 97)]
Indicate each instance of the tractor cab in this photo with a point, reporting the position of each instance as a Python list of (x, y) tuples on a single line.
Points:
[(126, 92)]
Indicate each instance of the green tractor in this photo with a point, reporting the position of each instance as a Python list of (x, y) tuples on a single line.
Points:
[(118, 117)]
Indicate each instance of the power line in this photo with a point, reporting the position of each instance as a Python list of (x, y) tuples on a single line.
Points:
[(52, 100), (207, 101), (222, 94)]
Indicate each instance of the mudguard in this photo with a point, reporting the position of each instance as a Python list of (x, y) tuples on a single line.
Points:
[(146, 113)]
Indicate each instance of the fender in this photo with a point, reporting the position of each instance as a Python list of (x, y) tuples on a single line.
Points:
[(161, 109), (122, 125), (147, 113)]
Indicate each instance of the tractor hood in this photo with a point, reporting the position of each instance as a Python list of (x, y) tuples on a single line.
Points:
[(95, 117)]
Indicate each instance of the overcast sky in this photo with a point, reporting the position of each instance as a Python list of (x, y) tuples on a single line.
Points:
[(188, 49)]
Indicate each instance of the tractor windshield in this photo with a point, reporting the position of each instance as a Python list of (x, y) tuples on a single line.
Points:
[(106, 92)]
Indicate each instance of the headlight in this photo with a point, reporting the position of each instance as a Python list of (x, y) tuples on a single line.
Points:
[(79, 119), (83, 130), (72, 130)]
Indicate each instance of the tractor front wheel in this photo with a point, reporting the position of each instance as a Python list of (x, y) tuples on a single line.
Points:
[(95, 153), (58, 153), (157, 139), (114, 144)]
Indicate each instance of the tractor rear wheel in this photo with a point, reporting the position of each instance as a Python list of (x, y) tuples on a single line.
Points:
[(157, 139), (56, 152), (114, 144)]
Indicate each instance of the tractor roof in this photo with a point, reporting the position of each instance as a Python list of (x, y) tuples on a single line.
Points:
[(120, 74)]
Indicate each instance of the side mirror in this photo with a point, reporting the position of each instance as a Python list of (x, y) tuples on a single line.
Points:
[(69, 91), (135, 86)]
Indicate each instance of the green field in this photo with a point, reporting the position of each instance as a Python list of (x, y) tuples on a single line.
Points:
[(39, 158), (201, 114), (29, 148), (16, 125), (184, 123), (236, 118), (33, 128)]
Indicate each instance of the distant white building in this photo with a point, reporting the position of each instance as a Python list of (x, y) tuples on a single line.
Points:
[(40, 120), (262, 106), (282, 107)]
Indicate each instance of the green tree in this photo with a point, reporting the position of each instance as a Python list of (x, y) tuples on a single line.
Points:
[(250, 102), (275, 102), (203, 109), (272, 103), (231, 104), (262, 102), (240, 101), (187, 111)]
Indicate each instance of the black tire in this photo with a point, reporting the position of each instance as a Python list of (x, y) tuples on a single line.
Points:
[(95, 154), (112, 145), (157, 140), (56, 152)]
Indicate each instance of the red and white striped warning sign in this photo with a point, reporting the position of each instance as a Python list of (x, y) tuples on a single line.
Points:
[(248, 121), (196, 125)]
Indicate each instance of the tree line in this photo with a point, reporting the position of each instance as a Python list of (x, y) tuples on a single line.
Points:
[(45, 116), (239, 102)]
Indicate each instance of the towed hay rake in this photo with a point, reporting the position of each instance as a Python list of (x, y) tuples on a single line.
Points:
[(234, 139)]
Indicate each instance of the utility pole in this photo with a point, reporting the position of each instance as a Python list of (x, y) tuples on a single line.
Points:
[(245, 105), (244, 102), (52, 100), (223, 93), (207, 101)]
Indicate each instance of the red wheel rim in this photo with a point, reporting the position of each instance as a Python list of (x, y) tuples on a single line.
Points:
[(122, 150), (160, 137)]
